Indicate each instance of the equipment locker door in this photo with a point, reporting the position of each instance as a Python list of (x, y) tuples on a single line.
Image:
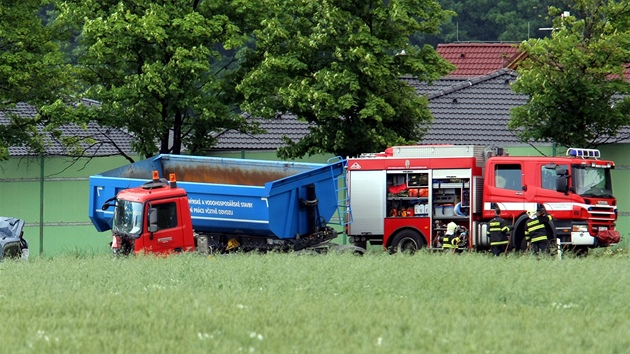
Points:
[(367, 197)]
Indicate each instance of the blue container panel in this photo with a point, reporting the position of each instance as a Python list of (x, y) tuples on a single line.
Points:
[(101, 189), (271, 209), (286, 216), (228, 209)]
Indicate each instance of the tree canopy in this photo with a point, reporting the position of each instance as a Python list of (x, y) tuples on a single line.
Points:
[(492, 21), (577, 92), (337, 65), (157, 69), (32, 71), (177, 73)]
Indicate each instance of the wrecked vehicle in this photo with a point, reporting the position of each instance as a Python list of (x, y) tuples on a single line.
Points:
[(12, 242)]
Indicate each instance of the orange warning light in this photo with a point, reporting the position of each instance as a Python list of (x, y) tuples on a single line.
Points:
[(156, 175)]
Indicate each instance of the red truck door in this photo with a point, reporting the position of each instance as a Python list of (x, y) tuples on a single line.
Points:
[(507, 186), (169, 236)]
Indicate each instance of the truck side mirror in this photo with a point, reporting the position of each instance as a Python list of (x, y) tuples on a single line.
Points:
[(562, 180), (562, 172), (106, 204), (153, 219)]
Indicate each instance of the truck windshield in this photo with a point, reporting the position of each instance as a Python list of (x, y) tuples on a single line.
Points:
[(592, 182), (127, 218)]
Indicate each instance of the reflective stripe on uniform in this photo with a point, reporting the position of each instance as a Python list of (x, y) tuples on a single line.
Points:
[(450, 242), (539, 238)]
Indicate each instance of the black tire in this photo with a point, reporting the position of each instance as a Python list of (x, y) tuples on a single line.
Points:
[(359, 251), (361, 244), (580, 251), (407, 241), (124, 248), (551, 236), (517, 240)]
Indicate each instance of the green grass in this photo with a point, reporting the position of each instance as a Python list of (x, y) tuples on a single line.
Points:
[(332, 303)]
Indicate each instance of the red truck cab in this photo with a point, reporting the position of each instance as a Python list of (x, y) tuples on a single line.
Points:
[(154, 217), (575, 189)]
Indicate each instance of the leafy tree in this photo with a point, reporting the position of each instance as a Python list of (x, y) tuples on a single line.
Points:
[(492, 21), (337, 65), (577, 93), (32, 71), (157, 69)]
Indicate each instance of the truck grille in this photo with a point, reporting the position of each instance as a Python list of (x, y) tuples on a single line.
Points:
[(601, 213)]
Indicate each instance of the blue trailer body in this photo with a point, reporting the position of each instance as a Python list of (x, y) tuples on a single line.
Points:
[(232, 196)]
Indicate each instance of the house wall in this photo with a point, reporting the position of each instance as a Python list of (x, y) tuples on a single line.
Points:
[(63, 203), (620, 154), (265, 155)]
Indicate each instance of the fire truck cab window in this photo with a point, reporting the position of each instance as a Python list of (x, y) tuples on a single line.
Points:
[(549, 176), (167, 215), (508, 177)]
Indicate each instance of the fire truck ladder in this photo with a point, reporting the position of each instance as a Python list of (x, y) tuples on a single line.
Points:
[(343, 215)]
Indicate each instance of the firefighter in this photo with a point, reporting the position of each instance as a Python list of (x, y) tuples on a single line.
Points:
[(451, 237), (498, 232), (536, 231)]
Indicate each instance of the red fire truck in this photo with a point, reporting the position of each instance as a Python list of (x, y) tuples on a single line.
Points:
[(404, 197)]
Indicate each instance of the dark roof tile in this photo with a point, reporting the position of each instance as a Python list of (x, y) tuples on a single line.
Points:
[(107, 141), (283, 125)]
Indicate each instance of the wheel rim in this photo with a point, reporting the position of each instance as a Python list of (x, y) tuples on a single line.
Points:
[(407, 245)]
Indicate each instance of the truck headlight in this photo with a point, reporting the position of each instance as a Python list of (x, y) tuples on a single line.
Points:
[(580, 228)]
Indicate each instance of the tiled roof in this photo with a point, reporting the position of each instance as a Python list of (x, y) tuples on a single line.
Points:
[(474, 111), (477, 59), (422, 88), (466, 111), (108, 141)]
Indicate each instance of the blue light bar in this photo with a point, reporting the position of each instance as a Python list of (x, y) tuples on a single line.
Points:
[(584, 153)]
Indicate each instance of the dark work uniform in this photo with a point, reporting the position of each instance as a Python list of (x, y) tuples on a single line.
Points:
[(536, 233), (451, 239), (498, 231)]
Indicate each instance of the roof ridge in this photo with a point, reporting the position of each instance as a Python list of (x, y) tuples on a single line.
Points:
[(470, 82), (480, 43)]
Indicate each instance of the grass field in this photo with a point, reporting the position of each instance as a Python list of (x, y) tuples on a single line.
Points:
[(332, 303)]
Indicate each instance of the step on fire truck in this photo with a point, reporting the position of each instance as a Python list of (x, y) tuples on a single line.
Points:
[(404, 197)]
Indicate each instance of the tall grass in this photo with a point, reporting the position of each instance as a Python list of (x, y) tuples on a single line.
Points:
[(333, 303)]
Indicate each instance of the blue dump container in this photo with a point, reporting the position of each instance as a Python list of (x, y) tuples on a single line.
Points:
[(236, 196)]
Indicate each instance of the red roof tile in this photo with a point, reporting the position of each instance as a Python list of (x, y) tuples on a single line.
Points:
[(477, 59)]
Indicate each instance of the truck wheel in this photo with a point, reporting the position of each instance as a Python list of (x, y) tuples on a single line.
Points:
[(580, 251), (406, 241), (361, 244), (517, 240), (551, 235), (359, 251), (124, 248)]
